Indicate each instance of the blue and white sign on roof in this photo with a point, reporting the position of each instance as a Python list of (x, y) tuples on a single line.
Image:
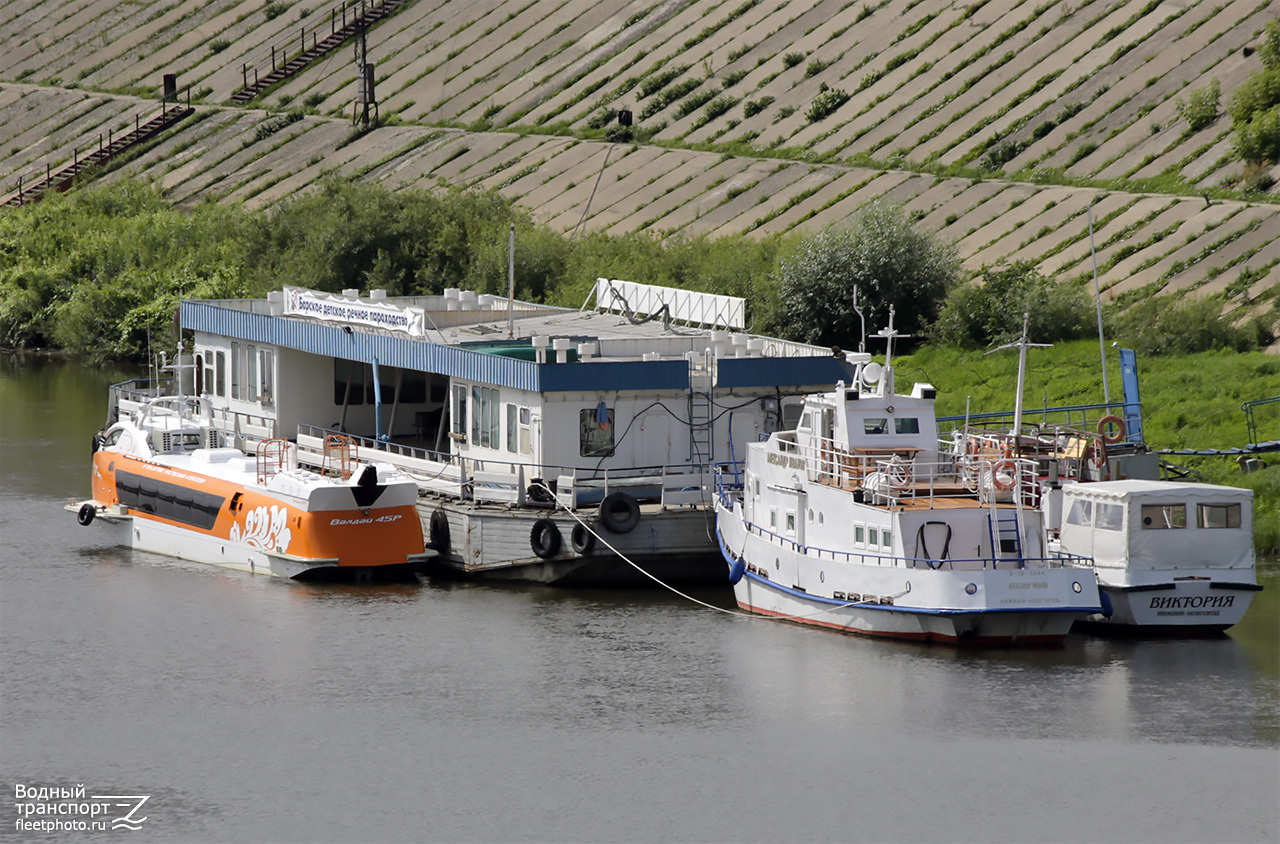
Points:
[(299, 301)]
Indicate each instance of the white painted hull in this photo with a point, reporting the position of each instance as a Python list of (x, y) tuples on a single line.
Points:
[(492, 541), (1186, 605), (992, 606)]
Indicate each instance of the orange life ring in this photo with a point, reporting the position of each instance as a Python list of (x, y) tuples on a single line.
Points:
[(1111, 439), (1011, 472)]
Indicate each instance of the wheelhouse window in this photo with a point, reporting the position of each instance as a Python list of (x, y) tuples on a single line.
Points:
[(268, 375), (1164, 516), (875, 425), (907, 425), (595, 432), (1218, 515), (1081, 513), (220, 374), (1110, 517)]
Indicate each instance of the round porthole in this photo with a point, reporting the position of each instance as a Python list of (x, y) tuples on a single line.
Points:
[(819, 517), (810, 514), (908, 586), (971, 589), (777, 564), (822, 577), (1075, 587)]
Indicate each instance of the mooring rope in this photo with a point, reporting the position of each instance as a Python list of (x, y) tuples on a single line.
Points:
[(674, 590)]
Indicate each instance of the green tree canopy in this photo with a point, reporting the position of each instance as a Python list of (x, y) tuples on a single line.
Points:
[(988, 311), (888, 260)]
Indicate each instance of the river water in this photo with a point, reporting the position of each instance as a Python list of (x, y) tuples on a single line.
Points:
[(249, 709)]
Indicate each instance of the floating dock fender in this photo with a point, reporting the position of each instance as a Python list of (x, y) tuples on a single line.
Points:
[(737, 570), (438, 533), (1107, 609), (619, 513), (582, 540), (86, 513), (544, 538)]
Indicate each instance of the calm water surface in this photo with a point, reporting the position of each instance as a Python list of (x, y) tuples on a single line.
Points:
[(254, 710)]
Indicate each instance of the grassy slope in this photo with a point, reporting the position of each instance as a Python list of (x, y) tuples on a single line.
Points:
[(1189, 401)]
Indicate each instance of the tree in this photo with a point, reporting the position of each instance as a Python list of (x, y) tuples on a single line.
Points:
[(989, 312), (889, 261)]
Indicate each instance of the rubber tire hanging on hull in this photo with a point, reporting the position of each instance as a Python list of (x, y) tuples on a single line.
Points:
[(86, 514), (544, 539), (619, 513), (438, 533), (582, 540)]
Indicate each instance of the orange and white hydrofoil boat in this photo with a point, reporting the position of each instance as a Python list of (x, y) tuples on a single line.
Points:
[(165, 481)]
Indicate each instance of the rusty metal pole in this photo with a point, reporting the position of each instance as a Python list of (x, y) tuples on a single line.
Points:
[(302, 33), (19, 190), (244, 75), (273, 56), (135, 123)]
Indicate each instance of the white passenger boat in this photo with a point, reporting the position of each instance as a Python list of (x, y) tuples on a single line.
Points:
[(1169, 556), (165, 481), (549, 444), (856, 521)]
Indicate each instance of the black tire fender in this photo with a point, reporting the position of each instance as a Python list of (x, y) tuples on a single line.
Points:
[(619, 513), (582, 540), (544, 538), (438, 532), (86, 513)]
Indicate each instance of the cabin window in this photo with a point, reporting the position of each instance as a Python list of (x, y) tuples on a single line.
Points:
[(595, 431), (860, 535), (513, 431), (519, 435), (1109, 517), (1164, 516), (875, 425), (413, 387), (111, 438), (251, 367), (268, 360), (348, 383), (773, 518), (791, 415), (886, 538), (220, 374), (1218, 515), (1081, 513), (806, 421), (484, 417), (873, 537), (755, 486), (909, 425), (459, 410), (791, 522), (237, 371), (526, 431)]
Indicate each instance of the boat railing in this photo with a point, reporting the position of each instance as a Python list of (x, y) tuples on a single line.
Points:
[(1080, 418), (897, 477), (521, 484), (127, 398), (1058, 560)]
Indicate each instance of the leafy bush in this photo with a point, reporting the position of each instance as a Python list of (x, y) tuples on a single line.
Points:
[(990, 313), (815, 67), (826, 102), (654, 84), (753, 107), (274, 10), (217, 45), (1164, 325), (790, 60), (732, 78), (883, 256), (694, 102), (1201, 106)]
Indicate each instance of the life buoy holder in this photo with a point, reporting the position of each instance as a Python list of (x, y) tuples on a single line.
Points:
[(544, 538), (582, 540), (619, 513), (1111, 439), (438, 532), (1004, 474), (86, 513)]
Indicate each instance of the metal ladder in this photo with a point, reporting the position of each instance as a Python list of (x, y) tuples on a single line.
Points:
[(700, 410), (1006, 537)]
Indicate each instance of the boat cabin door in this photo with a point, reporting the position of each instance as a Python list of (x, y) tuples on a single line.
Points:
[(826, 432)]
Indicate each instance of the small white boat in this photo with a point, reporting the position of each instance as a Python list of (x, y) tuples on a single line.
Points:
[(857, 522), (1170, 557), (166, 482)]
